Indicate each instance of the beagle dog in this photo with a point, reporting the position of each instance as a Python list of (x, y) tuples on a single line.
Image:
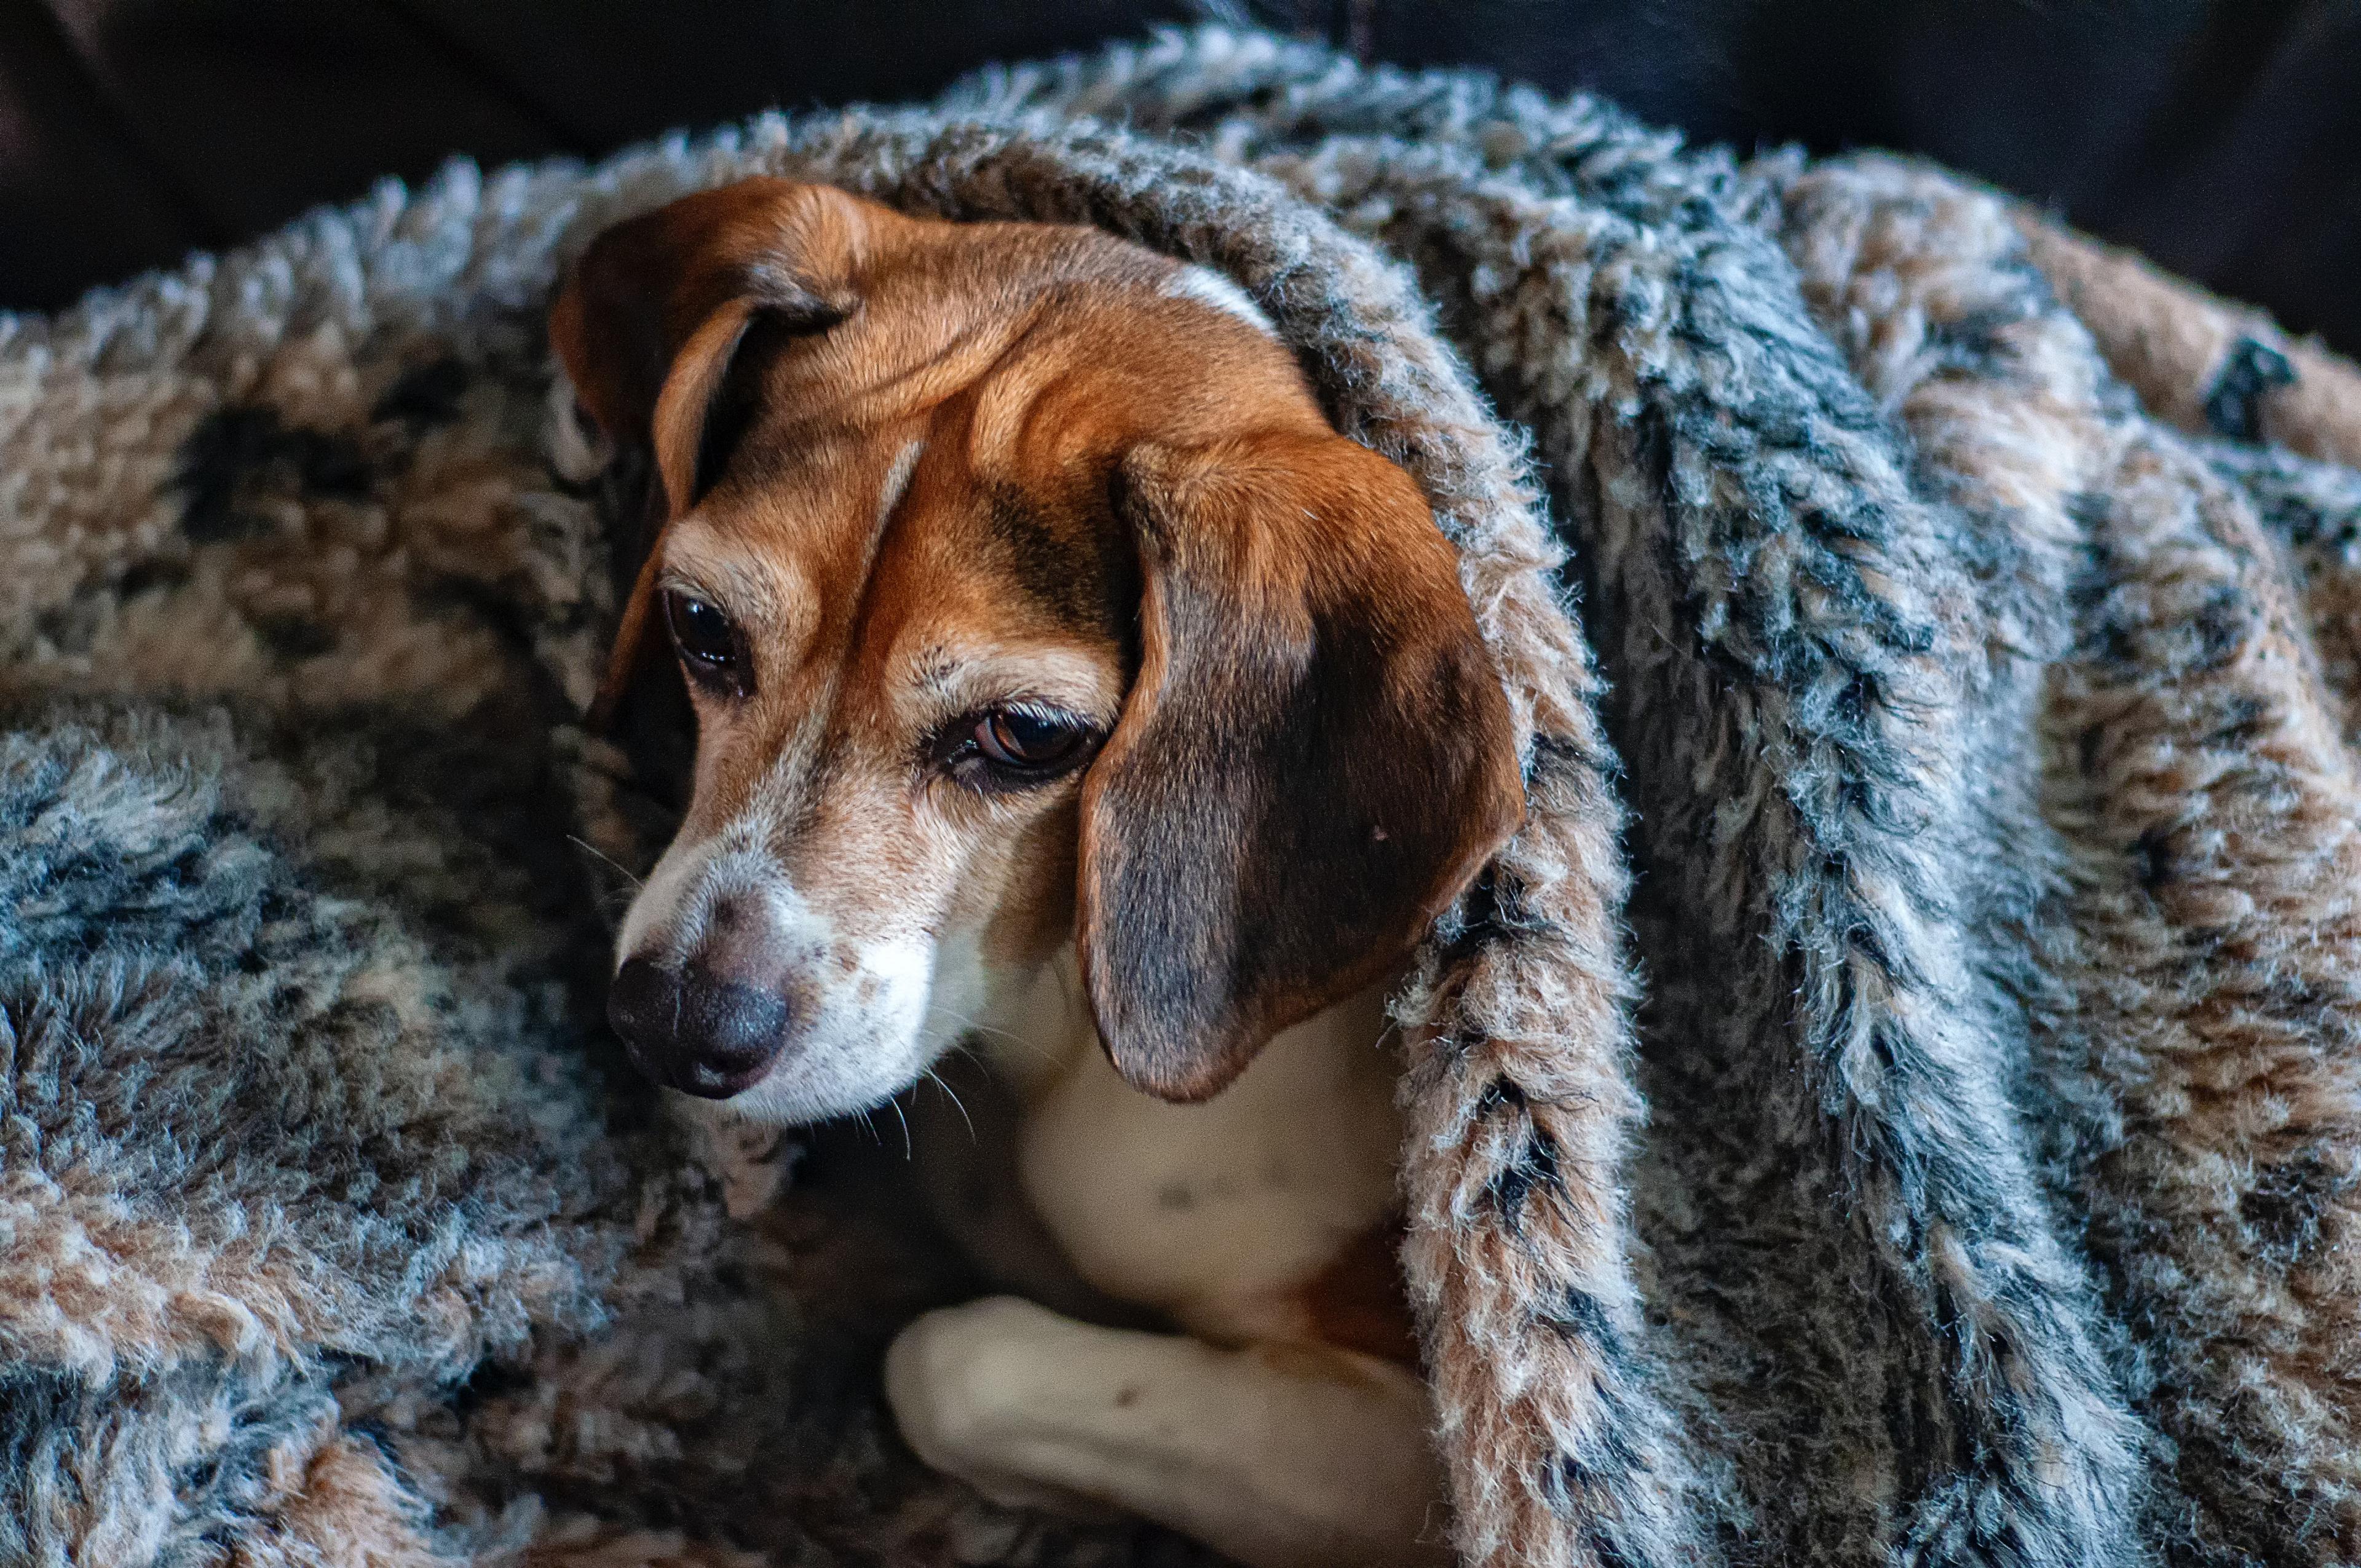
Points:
[(1068, 690)]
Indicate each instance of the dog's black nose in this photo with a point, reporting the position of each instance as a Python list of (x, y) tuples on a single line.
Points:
[(693, 1030)]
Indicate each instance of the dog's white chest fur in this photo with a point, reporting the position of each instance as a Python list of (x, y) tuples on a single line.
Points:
[(1217, 1213)]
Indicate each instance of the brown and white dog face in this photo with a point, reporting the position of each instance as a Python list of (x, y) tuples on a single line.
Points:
[(1025, 597)]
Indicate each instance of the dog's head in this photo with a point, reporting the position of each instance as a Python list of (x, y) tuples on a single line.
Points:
[(1025, 597)]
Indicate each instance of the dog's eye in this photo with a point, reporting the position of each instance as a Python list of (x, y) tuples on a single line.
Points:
[(1028, 739), (707, 642), (1016, 747)]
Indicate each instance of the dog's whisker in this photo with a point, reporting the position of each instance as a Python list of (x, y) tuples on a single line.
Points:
[(944, 1084), (961, 1022), (971, 1027), (637, 882), (908, 1152), (954, 1013)]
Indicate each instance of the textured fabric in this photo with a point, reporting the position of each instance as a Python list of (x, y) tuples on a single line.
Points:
[(1894, 1101)]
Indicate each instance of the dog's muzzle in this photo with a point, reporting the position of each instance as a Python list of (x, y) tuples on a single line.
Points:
[(694, 1030)]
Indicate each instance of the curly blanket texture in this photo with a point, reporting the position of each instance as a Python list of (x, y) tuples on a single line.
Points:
[(1898, 1099)]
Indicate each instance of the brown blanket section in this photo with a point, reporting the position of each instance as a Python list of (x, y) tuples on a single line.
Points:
[(2202, 956), (2205, 364)]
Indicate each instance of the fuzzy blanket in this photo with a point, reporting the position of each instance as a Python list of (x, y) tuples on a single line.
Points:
[(1898, 1099)]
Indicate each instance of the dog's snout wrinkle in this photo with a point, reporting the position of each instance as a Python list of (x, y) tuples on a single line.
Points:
[(695, 1030)]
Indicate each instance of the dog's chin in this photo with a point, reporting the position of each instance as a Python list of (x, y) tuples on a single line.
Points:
[(780, 1102), (799, 1091)]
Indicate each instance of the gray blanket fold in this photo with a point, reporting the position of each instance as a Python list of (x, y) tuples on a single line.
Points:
[(1897, 1100)]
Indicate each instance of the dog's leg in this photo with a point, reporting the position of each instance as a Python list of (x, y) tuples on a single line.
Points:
[(1280, 1456)]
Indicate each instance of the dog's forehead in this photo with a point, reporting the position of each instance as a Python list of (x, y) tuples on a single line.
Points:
[(951, 505), (893, 546)]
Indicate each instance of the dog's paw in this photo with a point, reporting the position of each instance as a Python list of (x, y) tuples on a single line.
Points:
[(964, 1385)]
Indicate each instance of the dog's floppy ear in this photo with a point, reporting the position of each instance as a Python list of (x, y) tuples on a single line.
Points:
[(1315, 759), (650, 318)]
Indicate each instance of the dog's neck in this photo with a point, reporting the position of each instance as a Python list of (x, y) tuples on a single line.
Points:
[(1029, 1026)]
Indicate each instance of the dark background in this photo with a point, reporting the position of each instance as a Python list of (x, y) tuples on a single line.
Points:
[(2221, 136)]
